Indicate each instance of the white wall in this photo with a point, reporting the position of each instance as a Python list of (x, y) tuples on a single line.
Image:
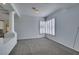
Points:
[(67, 22), (27, 27)]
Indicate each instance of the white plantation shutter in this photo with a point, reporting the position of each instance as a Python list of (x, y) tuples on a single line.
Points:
[(47, 27), (53, 26), (42, 27)]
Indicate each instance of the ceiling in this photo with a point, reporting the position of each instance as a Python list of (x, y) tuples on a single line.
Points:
[(4, 13), (5, 9), (45, 9)]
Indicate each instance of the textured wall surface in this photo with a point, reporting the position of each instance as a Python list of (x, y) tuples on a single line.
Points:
[(67, 23), (28, 27)]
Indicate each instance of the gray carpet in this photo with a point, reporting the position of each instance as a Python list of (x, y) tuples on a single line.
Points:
[(41, 46)]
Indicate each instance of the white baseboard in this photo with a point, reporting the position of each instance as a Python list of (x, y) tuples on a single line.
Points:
[(36, 36)]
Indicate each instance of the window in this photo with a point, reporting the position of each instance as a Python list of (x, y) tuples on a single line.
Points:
[(47, 27), (42, 27), (53, 26)]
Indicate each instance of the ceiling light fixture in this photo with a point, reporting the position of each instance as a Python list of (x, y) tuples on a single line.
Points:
[(35, 9)]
